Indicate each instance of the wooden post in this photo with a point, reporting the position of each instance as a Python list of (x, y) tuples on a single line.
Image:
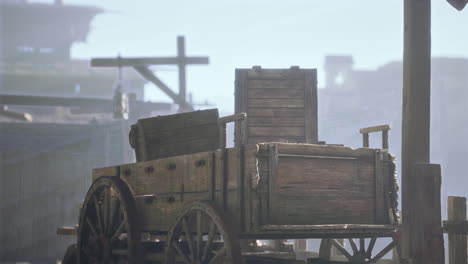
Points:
[(416, 124), (456, 207), (181, 66), (424, 239)]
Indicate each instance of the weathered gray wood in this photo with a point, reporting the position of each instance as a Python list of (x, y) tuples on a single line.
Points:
[(380, 211), (276, 131), (311, 107), (456, 211), (295, 84), (173, 135), (276, 93), (272, 169), (288, 103), (276, 121), (276, 112), (415, 119), (365, 140), (373, 129), (423, 226)]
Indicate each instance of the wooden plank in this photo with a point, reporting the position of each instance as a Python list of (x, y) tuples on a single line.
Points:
[(456, 211), (273, 170), (276, 93), (373, 129), (286, 139), (322, 150), (107, 171), (380, 211), (288, 103), (311, 107), (166, 137), (276, 121), (187, 147), (276, 131), (198, 175), (177, 121), (240, 134), (275, 112), (294, 84), (258, 73)]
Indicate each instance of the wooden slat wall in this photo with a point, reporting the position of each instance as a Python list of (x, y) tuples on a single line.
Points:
[(281, 104), (186, 133), (313, 184)]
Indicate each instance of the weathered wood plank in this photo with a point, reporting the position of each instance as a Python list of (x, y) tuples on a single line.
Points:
[(275, 112), (276, 131), (272, 177), (456, 211), (311, 107), (240, 134), (316, 177), (296, 84), (107, 171), (285, 139), (275, 73), (276, 122), (288, 103), (380, 211), (287, 93), (178, 121), (165, 137)]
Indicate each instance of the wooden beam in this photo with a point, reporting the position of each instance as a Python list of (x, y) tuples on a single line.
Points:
[(182, 67), (145, 61), (415, 121), (150, 76)]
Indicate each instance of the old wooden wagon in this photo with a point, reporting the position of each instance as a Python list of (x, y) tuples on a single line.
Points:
[(189, 199)]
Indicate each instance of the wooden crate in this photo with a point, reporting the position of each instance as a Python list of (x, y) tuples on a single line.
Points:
[(303, 184), (281, 105), (172, 135)]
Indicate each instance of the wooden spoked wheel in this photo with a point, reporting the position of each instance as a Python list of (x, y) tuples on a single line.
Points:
[(201, 235), (361, 250), (108, 228)]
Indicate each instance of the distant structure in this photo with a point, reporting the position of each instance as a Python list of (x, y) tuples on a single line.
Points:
[(56, 124), (354, 98)]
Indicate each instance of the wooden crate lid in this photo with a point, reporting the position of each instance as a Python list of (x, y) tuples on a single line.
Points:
[(173, 135)]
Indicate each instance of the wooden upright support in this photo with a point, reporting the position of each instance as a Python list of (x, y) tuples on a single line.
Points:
[(456, 207), (417, 212), (424, 242)]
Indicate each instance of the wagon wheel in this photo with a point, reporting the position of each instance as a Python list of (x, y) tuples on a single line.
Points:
[(361, 253), (202, 235), (70, 256), (108, 228)]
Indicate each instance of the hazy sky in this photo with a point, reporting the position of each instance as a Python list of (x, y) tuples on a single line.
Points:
[(243, 33)]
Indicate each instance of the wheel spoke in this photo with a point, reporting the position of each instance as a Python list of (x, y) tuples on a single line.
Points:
[(115, 216), (371, 247), (188, 235), (181, 252), (118, 232), (98, 214), (340, 248), (218, 255), (353, 246), (383, 252), (107, 198), (91, 227), (211, 233), (199, 234), (362, 245)]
